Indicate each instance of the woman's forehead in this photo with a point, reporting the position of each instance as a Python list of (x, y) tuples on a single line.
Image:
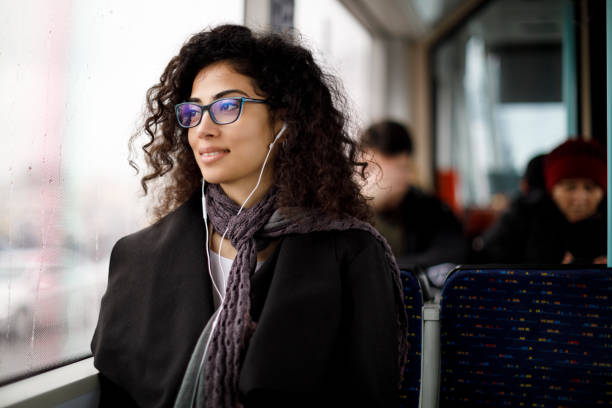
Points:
[(218, 78), (577, 182)]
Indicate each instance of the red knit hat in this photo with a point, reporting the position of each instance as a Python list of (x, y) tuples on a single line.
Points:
[(576, 158)]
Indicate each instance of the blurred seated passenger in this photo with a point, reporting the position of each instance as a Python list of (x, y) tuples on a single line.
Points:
[(533, 181), (564, 224), (420, 229), (532, 184)]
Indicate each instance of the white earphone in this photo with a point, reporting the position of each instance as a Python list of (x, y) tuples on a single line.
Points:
[(278, 135)]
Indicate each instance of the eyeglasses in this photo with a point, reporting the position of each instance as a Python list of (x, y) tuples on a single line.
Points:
[(222, 111)]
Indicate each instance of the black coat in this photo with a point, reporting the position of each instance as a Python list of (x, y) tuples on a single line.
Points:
[(324, 304), (534, 231)]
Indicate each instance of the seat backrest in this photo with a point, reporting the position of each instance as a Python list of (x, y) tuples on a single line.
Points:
[(533, 337), (413, 301)]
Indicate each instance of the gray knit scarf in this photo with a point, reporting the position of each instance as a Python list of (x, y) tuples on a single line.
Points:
[(211, 378)]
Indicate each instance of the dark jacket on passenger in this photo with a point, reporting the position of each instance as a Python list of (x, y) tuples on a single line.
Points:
[(423, 231), (323, 302), (534, 231)]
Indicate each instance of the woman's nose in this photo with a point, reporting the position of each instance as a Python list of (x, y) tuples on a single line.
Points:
[(581, 195), (207, 127)]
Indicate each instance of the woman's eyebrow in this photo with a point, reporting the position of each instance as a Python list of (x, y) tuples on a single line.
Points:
[(219, 95), (229, 91)]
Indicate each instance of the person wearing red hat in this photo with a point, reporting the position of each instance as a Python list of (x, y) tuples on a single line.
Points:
[(564, 224)]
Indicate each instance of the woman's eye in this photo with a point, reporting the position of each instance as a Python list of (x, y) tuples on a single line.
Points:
[(228, 106)]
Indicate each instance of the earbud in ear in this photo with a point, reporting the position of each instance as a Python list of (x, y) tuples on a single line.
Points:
[(279, 134)]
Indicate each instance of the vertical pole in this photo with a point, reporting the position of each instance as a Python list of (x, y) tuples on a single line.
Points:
[(569, 68), (609, 106), (281, 15), (273, 15)]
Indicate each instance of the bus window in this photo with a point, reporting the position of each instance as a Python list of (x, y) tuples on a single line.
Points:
[(498, 98), (74, 77)]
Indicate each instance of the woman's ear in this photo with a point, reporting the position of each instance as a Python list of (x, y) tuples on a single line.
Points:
[(279, 125), (280, 133)]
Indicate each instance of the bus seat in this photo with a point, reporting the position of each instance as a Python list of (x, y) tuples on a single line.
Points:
[(534, 337), (413, 302)]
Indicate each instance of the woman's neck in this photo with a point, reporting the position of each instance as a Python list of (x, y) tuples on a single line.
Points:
[(238, 192)]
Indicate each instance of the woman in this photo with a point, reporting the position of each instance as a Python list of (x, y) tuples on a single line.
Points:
[(564, 224), (261, 284)]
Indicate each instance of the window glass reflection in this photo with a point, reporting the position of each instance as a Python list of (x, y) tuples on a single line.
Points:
[(74, 76)]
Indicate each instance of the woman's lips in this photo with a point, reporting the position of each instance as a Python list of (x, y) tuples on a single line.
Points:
[(210, 154)]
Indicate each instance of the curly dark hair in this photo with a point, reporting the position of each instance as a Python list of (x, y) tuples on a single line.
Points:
[(318, 166)]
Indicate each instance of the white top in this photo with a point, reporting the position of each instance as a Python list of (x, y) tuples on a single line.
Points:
[(220, 276)]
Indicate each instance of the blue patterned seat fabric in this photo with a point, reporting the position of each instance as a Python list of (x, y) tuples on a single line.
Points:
[(413, 301), (526, 338)]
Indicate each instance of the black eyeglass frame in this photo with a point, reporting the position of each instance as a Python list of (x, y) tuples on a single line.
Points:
[(206, 108)]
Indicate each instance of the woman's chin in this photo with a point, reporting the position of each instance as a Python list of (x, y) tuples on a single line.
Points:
[(212, 176), (577, 217), (211, 180)]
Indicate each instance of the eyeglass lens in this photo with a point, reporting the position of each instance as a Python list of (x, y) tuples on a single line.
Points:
[(225, 110), (189, 114)]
